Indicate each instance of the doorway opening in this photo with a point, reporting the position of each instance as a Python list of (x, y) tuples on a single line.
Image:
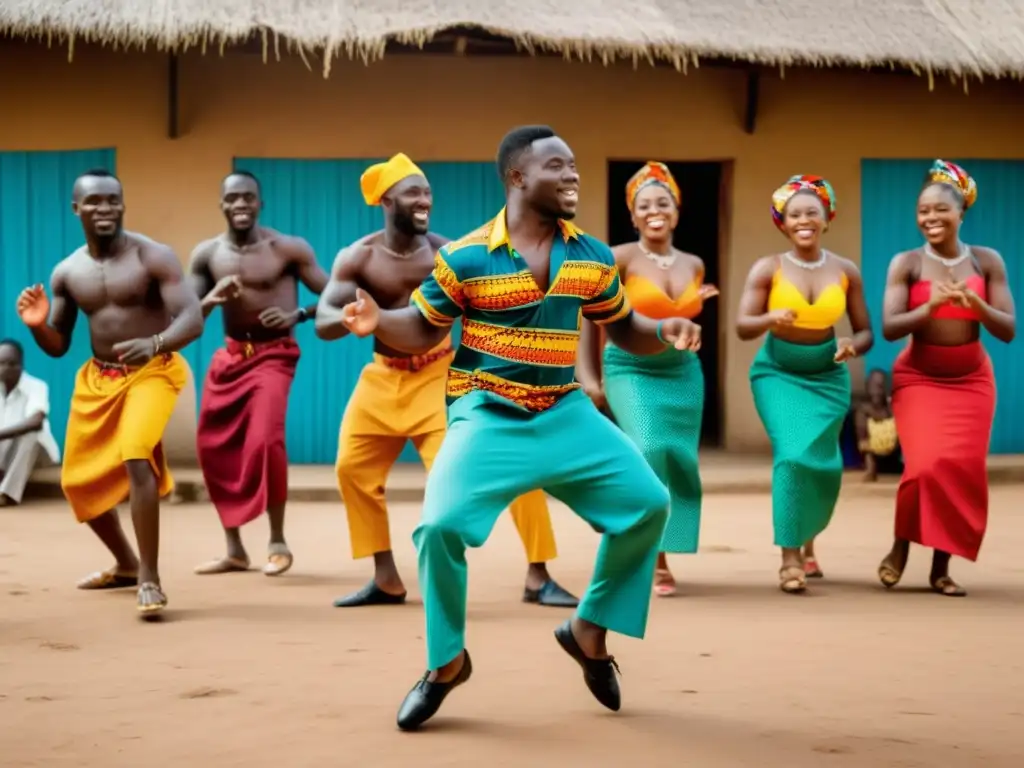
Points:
[(698, 232)]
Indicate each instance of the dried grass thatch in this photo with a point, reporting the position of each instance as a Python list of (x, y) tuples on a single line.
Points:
[(959, 37)]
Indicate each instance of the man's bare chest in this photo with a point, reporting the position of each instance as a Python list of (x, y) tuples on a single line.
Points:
[(123, 281), (261, 268), (391, 280)]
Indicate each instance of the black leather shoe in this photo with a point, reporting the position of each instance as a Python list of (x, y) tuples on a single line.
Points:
[(552, 594), (426, 698), (371, 594), (598, 674)]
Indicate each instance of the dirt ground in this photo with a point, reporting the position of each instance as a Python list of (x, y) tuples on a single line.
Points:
[(251, 671)]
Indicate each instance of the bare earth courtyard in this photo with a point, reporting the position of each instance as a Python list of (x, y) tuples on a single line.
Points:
[(250, 671)]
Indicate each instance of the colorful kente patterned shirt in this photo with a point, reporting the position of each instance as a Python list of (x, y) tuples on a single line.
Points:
[(516, 341)]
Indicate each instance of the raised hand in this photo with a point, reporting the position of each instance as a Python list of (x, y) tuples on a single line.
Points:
[(681, 333), (362, 315), (779, 318), (707, 291), (226, 289), (33, 306), (845, 350)]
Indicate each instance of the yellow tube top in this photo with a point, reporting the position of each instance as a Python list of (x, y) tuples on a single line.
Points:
[(823, 313), (882, 436), (651, 301)]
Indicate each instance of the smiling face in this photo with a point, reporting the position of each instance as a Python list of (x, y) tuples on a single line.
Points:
[(546, 175), (240, 201), (99, 203), (804, 220), (409, 203), (655, 214), (939, 214)]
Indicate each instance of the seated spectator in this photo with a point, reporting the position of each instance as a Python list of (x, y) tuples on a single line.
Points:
[(25, 438), (876, 429)]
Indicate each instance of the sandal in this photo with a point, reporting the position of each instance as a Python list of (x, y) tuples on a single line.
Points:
[(279, 560), (664, 583), (792, 579), (225, 564), (946, 587), (151, 599), (811, 569), (111, 579), (888, 574)]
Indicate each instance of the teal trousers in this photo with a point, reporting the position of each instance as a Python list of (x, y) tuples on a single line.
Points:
[(495, 451)]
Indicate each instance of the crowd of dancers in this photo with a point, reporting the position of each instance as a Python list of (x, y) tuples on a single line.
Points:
[(554, 323)]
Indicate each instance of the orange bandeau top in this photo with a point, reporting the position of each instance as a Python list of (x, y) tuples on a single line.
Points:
[(651, 301)]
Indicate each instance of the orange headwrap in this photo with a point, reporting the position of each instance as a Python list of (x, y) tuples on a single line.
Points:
[(652, 173), (378, 179)]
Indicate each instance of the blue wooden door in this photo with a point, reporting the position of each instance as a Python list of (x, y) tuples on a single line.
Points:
[(37, 230), (320, 201), (889, 191)]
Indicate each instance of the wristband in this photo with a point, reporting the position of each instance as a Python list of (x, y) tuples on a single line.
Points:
[(303, 315), (657, 332)]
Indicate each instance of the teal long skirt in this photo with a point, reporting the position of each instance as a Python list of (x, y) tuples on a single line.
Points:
[(802, 396), (658, 401)]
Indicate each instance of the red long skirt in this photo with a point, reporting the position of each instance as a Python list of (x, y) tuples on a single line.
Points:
[(944, 400), (240, 435)]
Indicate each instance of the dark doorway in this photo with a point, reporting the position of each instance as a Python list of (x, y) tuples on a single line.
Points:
[(698, 233)]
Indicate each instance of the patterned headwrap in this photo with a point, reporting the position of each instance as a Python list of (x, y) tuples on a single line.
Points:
[(943, 172), (379, 178), (803, 183), (652, 173)]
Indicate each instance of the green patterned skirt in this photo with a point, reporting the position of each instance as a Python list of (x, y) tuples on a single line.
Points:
[(658, 401), (802, 396)]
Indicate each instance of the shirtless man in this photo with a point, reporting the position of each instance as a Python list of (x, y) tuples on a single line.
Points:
[(140, 312), (401, 397), (253, 274)]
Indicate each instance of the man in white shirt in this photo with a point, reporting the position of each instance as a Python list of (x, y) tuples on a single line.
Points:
[(25, 437)]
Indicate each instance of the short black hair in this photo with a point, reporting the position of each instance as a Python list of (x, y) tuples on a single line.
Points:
[(517, 141), (246, 174), (98, 173), (16, 346)]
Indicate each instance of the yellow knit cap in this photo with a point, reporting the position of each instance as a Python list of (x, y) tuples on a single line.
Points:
[(378, 179)]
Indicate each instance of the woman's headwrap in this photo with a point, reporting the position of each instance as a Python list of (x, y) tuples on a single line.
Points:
[(943, 172), (803, 183), (652, 173), (378, 179)]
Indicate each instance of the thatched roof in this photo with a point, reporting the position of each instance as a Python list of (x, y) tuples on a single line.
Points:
[(959, 37)]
